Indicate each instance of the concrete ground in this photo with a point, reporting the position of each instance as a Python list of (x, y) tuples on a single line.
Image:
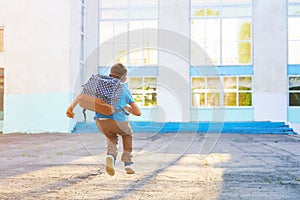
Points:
[(168, 166)]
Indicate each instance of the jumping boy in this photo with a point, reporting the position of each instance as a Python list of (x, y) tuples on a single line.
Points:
[(116, 124)]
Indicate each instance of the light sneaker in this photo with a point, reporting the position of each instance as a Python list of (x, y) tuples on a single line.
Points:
[(110, 165), (129, 168)]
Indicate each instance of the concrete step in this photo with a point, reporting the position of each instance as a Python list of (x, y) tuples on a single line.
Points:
[(255, 127)]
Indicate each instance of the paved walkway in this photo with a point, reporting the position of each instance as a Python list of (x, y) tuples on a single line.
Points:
[(168, 166)]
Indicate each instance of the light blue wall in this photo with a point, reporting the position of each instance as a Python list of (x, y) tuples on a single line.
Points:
[(227, 114), (148, 114), (294, 114), (36, 113), (237, 70)]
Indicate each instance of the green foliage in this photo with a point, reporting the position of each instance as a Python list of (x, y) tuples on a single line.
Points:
[(245, 99), (206, 12), (244, 52)]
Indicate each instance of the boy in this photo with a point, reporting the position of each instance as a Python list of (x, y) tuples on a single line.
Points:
[(116, 124)]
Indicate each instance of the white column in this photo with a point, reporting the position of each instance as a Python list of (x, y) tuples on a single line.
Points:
[(174, 73), (91, 37), (270, 60)]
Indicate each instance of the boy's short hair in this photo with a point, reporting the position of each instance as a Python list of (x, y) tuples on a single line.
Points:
[(118, 70)]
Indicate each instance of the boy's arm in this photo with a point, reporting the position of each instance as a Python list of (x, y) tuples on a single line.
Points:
[(69, 111), (135, 110)]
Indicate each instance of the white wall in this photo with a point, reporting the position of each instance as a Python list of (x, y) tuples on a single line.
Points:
[(174, 67), (270, 60), (37, 62)]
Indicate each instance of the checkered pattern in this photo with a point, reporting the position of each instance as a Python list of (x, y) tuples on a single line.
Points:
[(107, 88)]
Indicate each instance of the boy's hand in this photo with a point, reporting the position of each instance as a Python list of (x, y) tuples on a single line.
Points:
[(70, 113)]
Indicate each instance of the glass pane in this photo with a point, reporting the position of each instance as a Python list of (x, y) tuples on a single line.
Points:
[(107, 14), (230, 99), (198, 12), (245, 99), (198, 99), (212, 50), (120, 3), (136, 58), (294, 9), (106, 54), (213, 83), (120, 27), (212, 30), (229, 83), (245, 83), (143, 13), (232, 11), (198, 83), (294, 56), (122, 58), (106, 31), (150, 56), (212, 12), (230, 53), (201, 12), (204, 2), (1, 40), (244, 53), (135, 25), (236, 29), (294, 83), (150, 85), (144, 3), (198, 30), (135, 83), (294, 99), (107, 3), (236, 1), (150, 99), (199, 56), (230, 30), (294, 28), (244, 29), (213, 99), (138, 98)]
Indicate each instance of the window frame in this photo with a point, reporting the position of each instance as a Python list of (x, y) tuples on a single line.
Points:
[(222, 91), (2, 40), (290, 4), (220, 18), (292, 91), (143, 90), (117, 57)]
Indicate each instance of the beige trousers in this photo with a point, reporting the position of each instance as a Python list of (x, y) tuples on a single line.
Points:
[(112, 129)]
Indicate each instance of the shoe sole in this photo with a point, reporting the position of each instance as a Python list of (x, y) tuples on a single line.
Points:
[(129, 170), (110, 166)]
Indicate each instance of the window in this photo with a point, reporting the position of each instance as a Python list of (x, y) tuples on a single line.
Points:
[(293, 31), (228, 91), (223, 31), (144, 90), (1, 93), (1, 40), (294, 91), (127, 32)]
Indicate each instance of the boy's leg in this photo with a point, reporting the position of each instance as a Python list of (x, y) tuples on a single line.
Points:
[(107, 127), (126, 134), (127, 147)]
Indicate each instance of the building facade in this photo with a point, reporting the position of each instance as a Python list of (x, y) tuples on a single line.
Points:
[(188, 60)]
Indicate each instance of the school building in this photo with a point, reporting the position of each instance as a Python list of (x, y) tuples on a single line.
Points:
[(232, 61)]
